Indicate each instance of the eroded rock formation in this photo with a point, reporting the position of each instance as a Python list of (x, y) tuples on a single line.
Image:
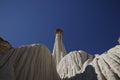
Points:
[(35, 62), (72, 63), (59, 50), (102, 67), (32, 62)]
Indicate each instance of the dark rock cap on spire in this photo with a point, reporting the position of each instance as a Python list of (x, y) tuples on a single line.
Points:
[(59, 31)]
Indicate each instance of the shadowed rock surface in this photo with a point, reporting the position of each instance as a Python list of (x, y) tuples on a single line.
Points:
[(4, 46), (32, 62)]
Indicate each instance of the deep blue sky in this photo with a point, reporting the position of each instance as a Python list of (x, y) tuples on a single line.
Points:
[(89, 25)]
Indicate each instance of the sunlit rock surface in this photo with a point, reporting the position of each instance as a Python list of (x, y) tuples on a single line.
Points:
[(35, 62), (59, 50), (72, 63), (32, 62), (103, 67)]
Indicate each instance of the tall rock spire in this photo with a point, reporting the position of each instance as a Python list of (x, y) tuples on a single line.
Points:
[(59, 50)]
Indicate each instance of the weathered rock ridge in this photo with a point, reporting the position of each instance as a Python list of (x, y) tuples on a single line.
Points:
[(32, 62), (35, 62), (76, 66)]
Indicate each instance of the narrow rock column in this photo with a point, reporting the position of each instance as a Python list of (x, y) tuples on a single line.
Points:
[(59, 50)]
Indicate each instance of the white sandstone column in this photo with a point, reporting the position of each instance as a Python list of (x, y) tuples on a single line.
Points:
[(59, 50)]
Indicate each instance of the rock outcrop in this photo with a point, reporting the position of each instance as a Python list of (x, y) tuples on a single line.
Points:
[(4, 46), (72, 63), (35, 62), (103, 67), (59, 50), (32, 62)]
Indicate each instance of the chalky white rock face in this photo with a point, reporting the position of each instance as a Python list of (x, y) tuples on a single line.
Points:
[(32, 62), (72, 63), (59, 50), (106, 66)]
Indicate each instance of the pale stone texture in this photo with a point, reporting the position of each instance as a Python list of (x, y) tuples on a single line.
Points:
[(103, 67), (59, 50), (72, 63), (33, 62)]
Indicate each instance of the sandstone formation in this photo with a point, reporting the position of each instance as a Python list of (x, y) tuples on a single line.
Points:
[(32, 62), (59, 50), (35, 62), (72, 63), (102, 67)]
